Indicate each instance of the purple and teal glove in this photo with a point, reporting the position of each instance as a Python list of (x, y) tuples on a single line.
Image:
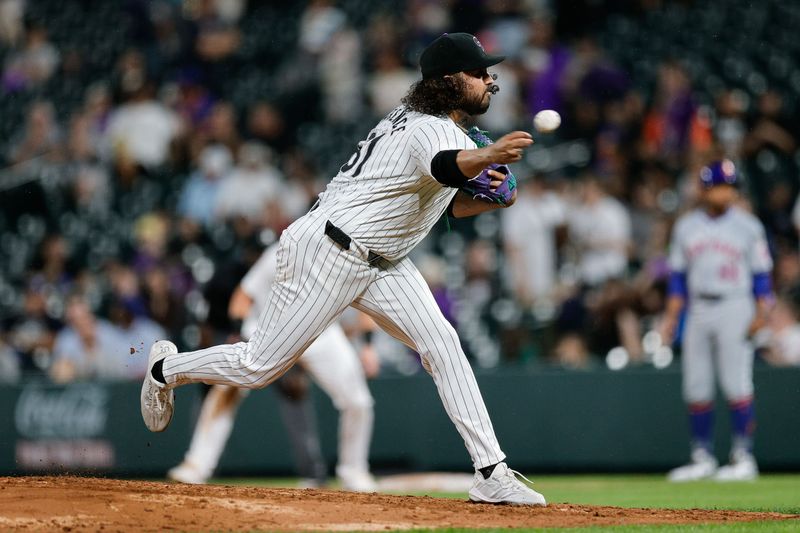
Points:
[(479, 186)]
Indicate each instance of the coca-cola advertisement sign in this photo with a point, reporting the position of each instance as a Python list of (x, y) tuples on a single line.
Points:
[(72, 412)]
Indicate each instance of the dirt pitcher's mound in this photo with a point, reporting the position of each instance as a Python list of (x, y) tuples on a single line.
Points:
[(91, 504)]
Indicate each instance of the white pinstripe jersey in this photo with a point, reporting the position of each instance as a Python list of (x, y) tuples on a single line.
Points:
[(384, 197), (719, 255)]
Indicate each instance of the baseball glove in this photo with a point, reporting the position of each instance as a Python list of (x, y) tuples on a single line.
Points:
[(479, 186)]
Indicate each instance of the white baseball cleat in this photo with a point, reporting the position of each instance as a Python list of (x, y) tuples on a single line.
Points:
[(186, 473), (742, 467), (157, 401), (702, 466), (357, 481), (504, 487)]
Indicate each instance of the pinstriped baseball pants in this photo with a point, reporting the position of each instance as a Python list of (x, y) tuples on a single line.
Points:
[(316, 280)]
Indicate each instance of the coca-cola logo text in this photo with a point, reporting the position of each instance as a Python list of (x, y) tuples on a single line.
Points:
[(76, 411)]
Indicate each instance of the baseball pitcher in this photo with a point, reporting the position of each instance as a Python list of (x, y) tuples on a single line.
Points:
[(352, 249), (721, 273)]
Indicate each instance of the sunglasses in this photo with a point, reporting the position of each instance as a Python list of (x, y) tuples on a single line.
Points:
[(480, 74)]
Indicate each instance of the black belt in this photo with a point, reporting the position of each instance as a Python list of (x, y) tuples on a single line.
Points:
[(343, 239), (709, 297)]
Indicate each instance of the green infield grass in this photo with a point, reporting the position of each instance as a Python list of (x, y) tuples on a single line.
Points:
[(772, 493)]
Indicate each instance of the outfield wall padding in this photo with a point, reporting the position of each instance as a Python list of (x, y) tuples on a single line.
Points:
[(547, 421)]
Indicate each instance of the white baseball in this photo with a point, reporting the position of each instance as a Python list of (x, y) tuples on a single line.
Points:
[(547, 120)]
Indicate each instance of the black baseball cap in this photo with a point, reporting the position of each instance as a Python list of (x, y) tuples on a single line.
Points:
[(455, 52)]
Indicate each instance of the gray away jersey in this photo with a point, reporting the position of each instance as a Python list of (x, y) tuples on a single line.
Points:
[(719, 255), (384, 197)]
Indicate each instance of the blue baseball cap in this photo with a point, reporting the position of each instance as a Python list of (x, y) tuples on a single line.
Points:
[(718, 173)]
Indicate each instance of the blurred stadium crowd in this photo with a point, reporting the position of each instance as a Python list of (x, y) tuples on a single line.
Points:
[(151, 149)]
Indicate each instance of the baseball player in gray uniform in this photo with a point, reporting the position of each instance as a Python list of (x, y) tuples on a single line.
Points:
[(721, 273), (330, 360), (352, 249)]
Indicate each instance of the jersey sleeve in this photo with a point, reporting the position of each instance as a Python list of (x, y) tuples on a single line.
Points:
[(260, 276), (430, 138), (760, 259), (678, 262)]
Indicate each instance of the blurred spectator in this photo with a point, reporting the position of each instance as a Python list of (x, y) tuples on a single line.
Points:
[(668, 125), (481, 265), (646, 212), (297, 194), (768, 150), (599, 311), (776, 212), (125, 288), (266, 123), (11, 21), (529, 238), (506, 108), (390, 82), (318, 24), (152, 235), (88, 178), (41, 137), (600, 103), (52, 274), (230, 10), (34, 63), (139, 333), (480, 290), (160, 31), (769, 128), (781, 339), (545, 62), (251, 185), (432, 269), (217, 36), (730, 127), (183, 99), (600, 229), (341, 76), (32, 334), (219, 128), (163, 302), (9, 366), (787, 268), (571, 353), (198, 199), (140, 130), (97, 110), (326, 36), (89, 347), (427, 20), (193, 101)]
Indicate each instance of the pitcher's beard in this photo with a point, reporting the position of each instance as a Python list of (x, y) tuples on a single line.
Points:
[(477, 106)]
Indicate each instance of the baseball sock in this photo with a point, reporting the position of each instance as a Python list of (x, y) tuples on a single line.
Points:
[(158, 371), (487, 470), (743, 422), (701, 420)]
